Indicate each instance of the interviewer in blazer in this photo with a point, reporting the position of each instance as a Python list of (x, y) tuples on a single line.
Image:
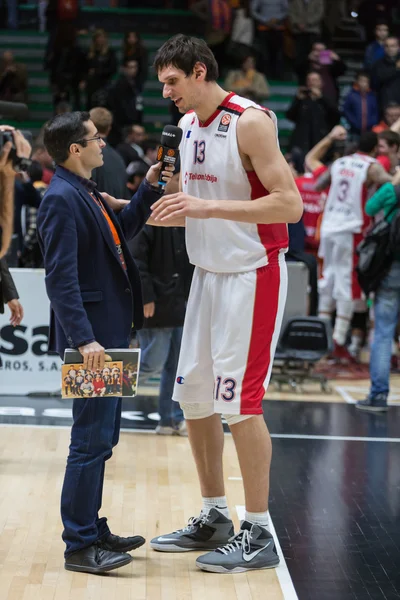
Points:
[(95, 295)]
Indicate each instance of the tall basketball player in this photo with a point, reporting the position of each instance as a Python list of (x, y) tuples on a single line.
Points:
[(237, 196)]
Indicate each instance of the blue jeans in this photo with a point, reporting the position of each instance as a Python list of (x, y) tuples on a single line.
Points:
[(94, 434), (160, 353), (386, 313)]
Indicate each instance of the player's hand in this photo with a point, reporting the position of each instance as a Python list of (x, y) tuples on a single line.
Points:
[(115, 204), (180, 205), (17, 312), (338, 133), (148, 310), (153, 174), (93, 356)]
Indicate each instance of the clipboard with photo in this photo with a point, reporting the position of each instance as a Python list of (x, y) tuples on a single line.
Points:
[(124, 360)]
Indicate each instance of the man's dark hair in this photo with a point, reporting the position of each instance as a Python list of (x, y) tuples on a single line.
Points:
[(129, 59), (391, 137), (62, 131), (391, 105), (363, 74), (150, 144), (368, 141), (183, 52)]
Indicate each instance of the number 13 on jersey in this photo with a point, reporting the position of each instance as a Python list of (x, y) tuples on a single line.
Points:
[(199, 152)]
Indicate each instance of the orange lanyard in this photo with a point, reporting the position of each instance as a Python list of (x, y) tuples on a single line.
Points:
[(113, 230)]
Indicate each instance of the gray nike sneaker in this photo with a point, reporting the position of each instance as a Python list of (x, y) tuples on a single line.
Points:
[(206, 532), (252, 548)]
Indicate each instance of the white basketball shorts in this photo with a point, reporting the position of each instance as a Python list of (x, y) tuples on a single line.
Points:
[(231, 329)]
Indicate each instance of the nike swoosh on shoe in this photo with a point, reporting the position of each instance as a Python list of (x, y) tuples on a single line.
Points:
[(249, 557)]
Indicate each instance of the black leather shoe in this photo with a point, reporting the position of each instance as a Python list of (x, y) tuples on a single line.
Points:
[(96, 560), (114, 543)]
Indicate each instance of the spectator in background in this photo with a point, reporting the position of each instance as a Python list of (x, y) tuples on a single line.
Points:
[(375, 50), (41, 155), (166, 274), (386, 307), (371, 12), (388, 150), (102, 66), (270, 18), (391, 115), (111, 175), (62, 108), (305, 18), (136, 172), (303, 245), (248, 82), (328, 64), (361, 106), (313, 113), (13, 79), (134, 49), (9, 296), (67, 64), (132, 148), (31, 256), (386, 74), (122, 100)]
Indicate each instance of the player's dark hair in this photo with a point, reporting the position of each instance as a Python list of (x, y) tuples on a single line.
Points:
[(391, 137), (62, 131), (368, 141), (183, 52)]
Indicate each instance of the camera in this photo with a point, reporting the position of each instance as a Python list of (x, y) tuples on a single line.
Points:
[(19, 164)]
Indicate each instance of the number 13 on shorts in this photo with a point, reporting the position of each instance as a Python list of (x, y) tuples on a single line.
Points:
[(225, 389)]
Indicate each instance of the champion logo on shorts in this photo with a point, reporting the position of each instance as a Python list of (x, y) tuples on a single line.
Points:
[(180, 380)]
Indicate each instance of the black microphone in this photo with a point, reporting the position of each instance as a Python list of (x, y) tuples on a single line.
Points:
[(168, 151)]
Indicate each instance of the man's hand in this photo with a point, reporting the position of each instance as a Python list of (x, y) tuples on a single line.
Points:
[(180, 205), (316, 93), (93, 356), (301, 93), (115, 204), (334, 56), (17, 312), (338, 133), (153, 174), (148, 310), (23, 150)]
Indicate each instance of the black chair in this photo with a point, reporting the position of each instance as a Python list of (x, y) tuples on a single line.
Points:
[(304, 341)]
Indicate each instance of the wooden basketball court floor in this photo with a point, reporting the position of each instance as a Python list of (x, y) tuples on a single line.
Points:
[(150, 488)]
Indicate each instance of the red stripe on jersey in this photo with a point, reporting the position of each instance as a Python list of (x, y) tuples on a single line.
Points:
[(216, 113), (266, 304), (273, 237)]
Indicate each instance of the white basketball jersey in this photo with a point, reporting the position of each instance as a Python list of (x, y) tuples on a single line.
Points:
[(211, 169), (344, 209)]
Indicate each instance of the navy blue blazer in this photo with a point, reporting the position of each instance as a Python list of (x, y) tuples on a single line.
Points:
[(91, 295)]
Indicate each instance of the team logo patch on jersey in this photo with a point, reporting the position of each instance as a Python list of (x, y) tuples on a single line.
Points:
[(188, 134), (224, 123), (180, 380)]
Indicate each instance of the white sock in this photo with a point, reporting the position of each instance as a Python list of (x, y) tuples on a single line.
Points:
[(261, 518), (340, 330), (219, 502)]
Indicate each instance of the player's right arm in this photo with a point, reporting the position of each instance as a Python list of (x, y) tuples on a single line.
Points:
[(314, 157), (377, 175)]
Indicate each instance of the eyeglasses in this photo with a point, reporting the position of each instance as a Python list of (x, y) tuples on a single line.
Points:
[(96, 138)]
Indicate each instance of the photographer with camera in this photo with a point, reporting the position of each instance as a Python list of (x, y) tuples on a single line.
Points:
[(14, 157), (313, 113)]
